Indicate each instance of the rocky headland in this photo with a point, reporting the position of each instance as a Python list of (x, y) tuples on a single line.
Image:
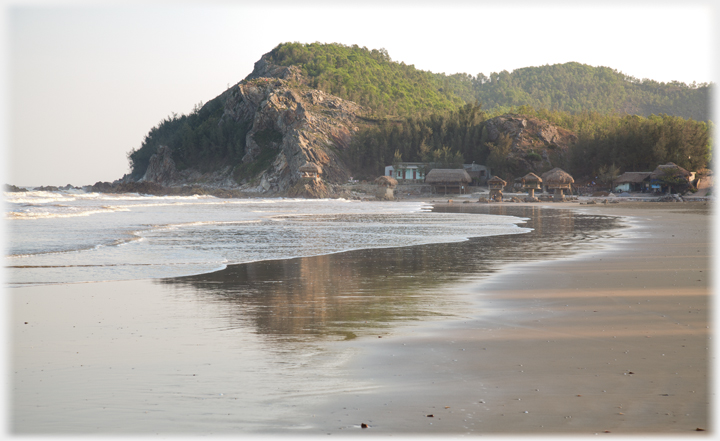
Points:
[(289, 124)]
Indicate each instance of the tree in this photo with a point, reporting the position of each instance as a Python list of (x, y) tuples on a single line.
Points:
[(498, 159), (397, 159), (608, 175), (675, 180)]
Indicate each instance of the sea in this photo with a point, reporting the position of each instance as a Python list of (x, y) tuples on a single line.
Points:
[(74, 236)]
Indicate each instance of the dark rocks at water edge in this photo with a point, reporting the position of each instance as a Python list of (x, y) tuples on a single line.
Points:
[(156, 189), (315, 189), (14, 189)]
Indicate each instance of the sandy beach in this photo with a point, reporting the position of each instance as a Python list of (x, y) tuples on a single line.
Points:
[(614, 341), (611, 342)]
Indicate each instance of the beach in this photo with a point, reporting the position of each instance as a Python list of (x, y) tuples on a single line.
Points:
[(611, 339)]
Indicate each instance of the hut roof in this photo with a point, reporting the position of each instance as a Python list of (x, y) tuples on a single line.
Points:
[(309, 167), (496, 180), (669, 170), (632, 177), (531, 177), (447, 176), (558, 176), (386, 181), (547, 173)]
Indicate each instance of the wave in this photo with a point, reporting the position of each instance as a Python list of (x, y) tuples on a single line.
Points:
[(39, 197), (115, 243), (61, 213)]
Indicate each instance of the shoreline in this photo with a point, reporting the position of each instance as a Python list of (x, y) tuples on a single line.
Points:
[(415, 371), (607, 342)]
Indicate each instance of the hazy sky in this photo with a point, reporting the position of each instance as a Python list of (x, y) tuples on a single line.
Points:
[(84, 82)]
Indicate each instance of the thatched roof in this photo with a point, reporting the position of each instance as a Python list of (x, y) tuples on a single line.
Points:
[(309, 167), (386, 181), (496, 180), (669, 170), (547, 173), (632, 177), (447, 176), (531, 178), (557, 176)]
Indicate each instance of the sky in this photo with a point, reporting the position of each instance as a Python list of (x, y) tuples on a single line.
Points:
[(84, 82)]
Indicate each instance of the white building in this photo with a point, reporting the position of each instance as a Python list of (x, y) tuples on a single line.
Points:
[(407, 172), (415, 172)]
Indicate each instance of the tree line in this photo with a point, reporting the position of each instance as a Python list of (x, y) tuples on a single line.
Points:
[(202, 140), (624, 142)]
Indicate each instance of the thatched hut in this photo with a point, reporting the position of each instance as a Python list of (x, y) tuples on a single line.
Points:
[(544, 176), (633, 181), (558, 180), (530, 183), (309, 170), (386, 181), (496, 185), (448, 180), (386, 184), (669, 177)]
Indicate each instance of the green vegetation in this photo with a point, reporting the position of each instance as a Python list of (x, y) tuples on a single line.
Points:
[(371, 79), (444, 138), (201, 139), (605, 142), (574, 88)]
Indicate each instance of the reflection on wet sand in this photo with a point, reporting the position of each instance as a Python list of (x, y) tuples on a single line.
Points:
[(361, 292)]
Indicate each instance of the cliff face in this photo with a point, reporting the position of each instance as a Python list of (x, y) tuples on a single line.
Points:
[(289, 125)]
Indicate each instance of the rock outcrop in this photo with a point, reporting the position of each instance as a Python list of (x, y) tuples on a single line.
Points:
[(536, 143), (289, 125), (161, 168), (14, 188), (309, 188)]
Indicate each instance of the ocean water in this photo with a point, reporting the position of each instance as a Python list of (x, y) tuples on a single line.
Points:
[(73, 236)]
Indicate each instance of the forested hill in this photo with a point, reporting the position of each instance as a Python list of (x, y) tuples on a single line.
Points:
[(372, 79), (575, 87)]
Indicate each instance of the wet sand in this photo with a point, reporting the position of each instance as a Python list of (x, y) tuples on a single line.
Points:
[(614, 340), (611, 342)]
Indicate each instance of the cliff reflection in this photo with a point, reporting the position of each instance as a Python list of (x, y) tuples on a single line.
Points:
[(363, 291)]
